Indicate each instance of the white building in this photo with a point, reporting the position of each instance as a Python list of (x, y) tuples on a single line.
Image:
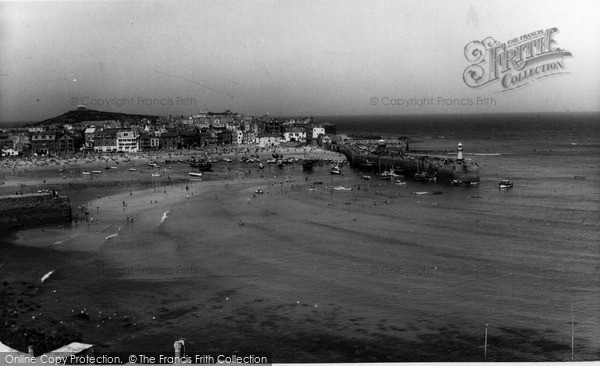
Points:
[(266, 140), (316, 131), (295, 135), (128, 141)]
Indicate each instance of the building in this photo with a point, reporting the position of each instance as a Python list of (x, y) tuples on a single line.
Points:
[(268, 140), (169, 141), (295, 134), (105, 140), (43, 143), (88, 137), (65, 144), (127, 141), (317, 131)]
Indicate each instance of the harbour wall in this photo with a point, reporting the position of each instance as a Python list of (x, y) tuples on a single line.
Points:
[(446, 170), (36, 209)]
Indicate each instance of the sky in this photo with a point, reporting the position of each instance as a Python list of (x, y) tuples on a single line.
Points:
[(282, 57)]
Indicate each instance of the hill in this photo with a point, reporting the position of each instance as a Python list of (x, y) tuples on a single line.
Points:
[(83, 114)]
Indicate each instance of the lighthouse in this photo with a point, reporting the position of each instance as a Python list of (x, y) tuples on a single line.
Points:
[(459, 158)]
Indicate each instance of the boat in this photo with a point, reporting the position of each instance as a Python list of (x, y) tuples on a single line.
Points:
[(272, 161), (365, 177), (343, 188), (85, 173), (400, 183), (132, 169), (420, 193), (424, 177), (153, 165), (156, 174), (227, 160), (462, 183), (96, 172), (505, 184), (335, 170), (201, 164), (113, 167), (259, 191), (194, 174), (580, 177)]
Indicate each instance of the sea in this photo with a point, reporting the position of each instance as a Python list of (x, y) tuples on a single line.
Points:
[(305, 273)]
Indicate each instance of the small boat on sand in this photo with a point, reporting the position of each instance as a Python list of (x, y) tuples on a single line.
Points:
[(505, 184), (96, 172), (156, 174), (132, 169), (194, 174), (335, 170)]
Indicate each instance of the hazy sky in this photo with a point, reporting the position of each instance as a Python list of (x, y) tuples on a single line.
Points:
[(281, 57)]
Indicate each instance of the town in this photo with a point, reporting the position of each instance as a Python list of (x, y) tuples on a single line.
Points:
[(136, 133)]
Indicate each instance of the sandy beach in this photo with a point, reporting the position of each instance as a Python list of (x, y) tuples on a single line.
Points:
[(302, 272)]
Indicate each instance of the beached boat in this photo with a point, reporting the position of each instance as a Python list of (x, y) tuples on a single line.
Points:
[(132, 169), (202, 165), (85, 173), (156, 174), (96, 172), (342, 188), (335, 170), (505, 184), (193, 174)]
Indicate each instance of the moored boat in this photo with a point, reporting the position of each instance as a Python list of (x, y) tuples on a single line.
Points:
[(335, 170)]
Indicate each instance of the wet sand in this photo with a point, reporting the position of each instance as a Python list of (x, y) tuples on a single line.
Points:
[(296, 272)]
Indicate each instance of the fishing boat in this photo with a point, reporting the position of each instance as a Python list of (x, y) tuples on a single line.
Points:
[(505, 184), (335, 170), (85, 173), (194, 174)]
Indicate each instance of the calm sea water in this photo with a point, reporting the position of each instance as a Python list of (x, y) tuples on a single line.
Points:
[(378, 274)]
